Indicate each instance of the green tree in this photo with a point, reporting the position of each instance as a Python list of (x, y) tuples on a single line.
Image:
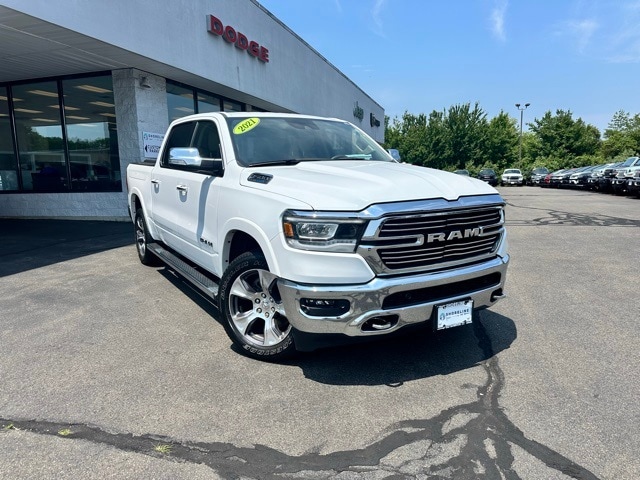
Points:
[(455, 138), (563, 139), (502, 142), (462, 137), (467, 130), (622, 136), (408, 135), (439, 154)]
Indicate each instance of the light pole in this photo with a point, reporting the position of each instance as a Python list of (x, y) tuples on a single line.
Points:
[(522, 109)]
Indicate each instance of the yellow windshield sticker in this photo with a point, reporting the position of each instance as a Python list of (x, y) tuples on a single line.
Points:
[(246, 125)]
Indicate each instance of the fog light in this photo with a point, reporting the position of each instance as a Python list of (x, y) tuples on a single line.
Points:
[(319, 307)]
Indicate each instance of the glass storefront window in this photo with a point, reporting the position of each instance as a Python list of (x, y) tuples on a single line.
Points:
[(231, 106), (77, 151), (90, 119), (39, 132), (8, 168), (208, 103), (179, 101)]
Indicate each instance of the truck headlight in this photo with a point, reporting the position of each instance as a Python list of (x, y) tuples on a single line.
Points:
[(324, 232)]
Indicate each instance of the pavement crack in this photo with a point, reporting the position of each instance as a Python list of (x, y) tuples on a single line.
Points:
[(468, 441), (497, 427)]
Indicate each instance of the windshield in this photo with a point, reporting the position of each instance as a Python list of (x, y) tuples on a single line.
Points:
[(629, 161), (289, 140), (512, 170), (487, 172)]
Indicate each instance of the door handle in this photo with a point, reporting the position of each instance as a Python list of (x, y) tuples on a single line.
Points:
[(182, 188), (155, 182)]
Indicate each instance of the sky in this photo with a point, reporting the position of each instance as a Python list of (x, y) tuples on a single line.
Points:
[(417, 56)]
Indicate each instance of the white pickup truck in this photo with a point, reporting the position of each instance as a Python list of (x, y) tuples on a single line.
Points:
[(305, 232)]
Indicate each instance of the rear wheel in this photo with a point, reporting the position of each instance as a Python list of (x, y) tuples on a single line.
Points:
[(254, 315)]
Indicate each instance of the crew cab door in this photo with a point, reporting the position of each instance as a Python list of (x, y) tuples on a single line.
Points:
[(185, 190)]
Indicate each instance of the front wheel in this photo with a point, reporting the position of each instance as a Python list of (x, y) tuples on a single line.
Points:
[(253, 313)]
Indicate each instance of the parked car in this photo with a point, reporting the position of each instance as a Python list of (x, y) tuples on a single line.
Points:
[(581, 179), (564, 178), (300, 252), (631, 169), (512, 176), (633, 184), (624, 173), (556, 177), (593, 181), (462, 172), (594, 176), (489, 176), (619, 183), (536, 175), (546, 180), (606, 177)]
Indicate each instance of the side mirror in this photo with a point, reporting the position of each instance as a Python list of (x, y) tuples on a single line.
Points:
[(185, 157), (190, 159)]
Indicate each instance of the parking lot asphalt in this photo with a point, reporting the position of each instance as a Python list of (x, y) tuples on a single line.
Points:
[(112, 369)]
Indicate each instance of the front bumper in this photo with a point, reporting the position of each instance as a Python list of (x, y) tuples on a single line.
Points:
[(512, 181), (490, 180), (604, 183), (385, 305), (620, 183), (578, 182)]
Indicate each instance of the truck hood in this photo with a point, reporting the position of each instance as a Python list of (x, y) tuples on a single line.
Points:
[(354, 185)]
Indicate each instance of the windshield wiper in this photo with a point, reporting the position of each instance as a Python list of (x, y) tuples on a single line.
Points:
[(356, 156), (288, 161), (295, 161)]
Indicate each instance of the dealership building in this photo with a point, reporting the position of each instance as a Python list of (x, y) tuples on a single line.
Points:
[(88, 87)]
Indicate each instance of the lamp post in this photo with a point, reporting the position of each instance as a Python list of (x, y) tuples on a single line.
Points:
[(522, 109)]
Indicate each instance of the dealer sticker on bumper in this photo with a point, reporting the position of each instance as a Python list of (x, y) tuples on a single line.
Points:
[(454, 314)]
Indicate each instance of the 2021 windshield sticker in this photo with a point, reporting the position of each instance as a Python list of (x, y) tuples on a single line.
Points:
[(246, 125)]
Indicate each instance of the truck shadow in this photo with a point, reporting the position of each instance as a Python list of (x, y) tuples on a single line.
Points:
[(416, 354), (413, 354), (31, 244)]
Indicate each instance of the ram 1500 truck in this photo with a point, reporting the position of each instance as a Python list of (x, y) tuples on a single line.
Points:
[(304, 231)]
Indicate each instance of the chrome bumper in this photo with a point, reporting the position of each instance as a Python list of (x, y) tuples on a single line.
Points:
[(385, 305)]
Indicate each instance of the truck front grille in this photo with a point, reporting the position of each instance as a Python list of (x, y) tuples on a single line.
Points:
[(435, 240)]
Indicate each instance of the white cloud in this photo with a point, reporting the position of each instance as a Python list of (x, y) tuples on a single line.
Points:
[(376, 14), (625, 40), (498, 14), (582, 31), (610, 34)]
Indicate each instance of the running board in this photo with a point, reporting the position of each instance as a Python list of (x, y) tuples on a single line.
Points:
[(204, 283)]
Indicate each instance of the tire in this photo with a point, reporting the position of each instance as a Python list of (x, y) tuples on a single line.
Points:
[(142, 240), (252, 310)]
